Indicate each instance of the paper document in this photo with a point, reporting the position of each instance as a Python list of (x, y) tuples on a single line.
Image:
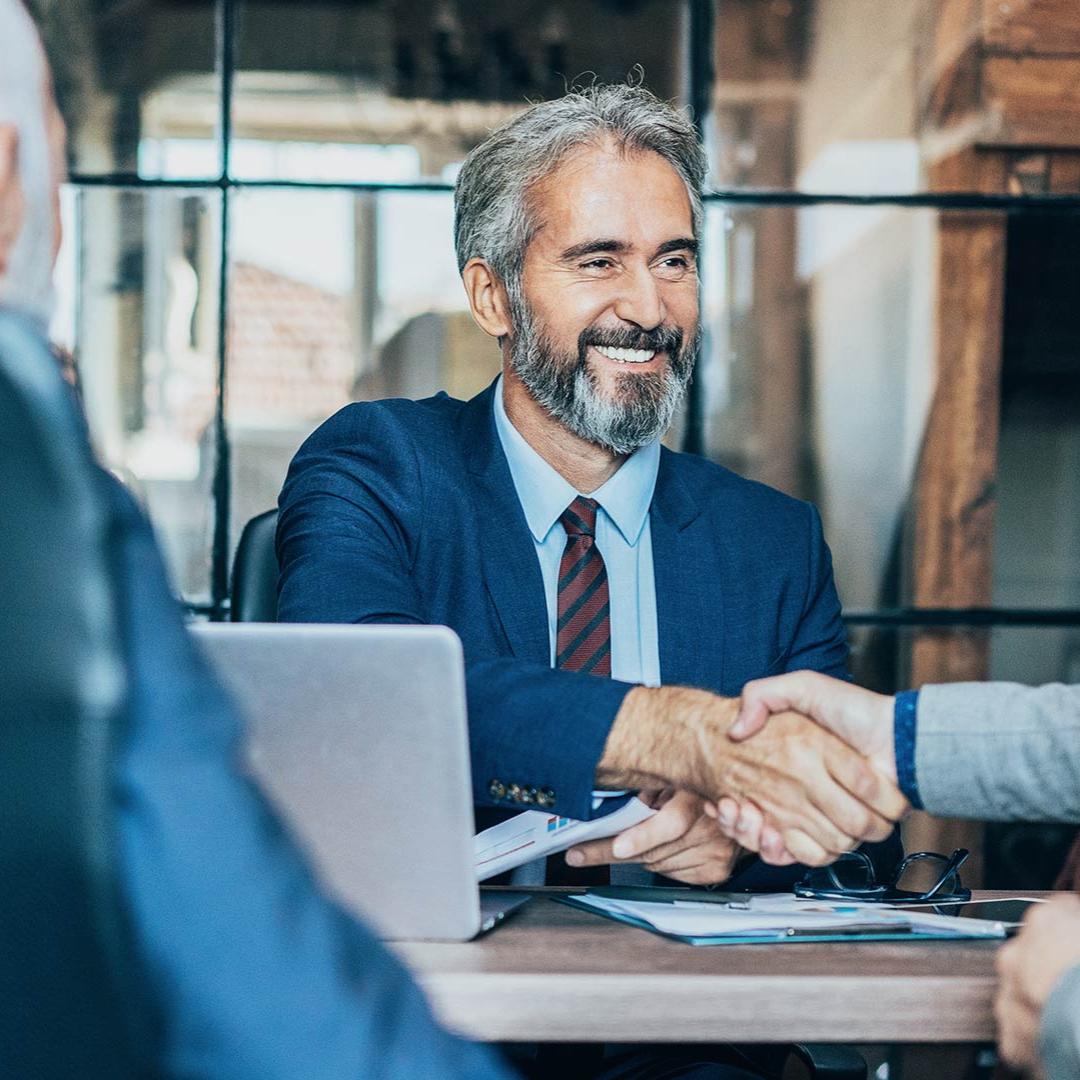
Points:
[(783, 917), (921, 921), (536, 833)]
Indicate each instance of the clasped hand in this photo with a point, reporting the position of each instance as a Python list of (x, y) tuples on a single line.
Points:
[(680, 841)]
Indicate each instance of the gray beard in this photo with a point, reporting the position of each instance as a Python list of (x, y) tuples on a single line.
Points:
[(641, 409)]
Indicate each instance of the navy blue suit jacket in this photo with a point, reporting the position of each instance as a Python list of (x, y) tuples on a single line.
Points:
[(405, 511)]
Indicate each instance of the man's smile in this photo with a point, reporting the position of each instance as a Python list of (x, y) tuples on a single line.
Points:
[(627, 356)]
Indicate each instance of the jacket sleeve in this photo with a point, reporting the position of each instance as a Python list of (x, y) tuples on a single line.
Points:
[(351, 512), (999, 751), (820, 642), (253, 973)]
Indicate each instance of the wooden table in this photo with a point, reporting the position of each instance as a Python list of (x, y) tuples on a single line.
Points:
[(555, 973)]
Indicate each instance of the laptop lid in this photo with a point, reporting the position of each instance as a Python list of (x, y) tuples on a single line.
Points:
[(357, 734)]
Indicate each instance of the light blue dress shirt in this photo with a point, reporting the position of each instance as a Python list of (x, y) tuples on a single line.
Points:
[(623, 538)]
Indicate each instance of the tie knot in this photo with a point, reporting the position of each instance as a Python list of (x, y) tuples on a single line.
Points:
[(579, 518)]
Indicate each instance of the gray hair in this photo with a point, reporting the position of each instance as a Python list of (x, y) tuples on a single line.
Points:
[(27, 283), (492, 216)]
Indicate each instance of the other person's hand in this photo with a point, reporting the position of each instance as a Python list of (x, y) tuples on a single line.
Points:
[(679, 841), (1029, 967), (860, 717)]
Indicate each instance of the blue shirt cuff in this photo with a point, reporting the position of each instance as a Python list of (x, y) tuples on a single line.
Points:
[(905, 723)]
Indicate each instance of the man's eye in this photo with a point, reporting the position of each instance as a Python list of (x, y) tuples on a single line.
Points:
[(597, 264), (675, 266)]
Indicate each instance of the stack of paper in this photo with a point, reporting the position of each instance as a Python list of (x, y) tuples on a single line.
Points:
[(534, 834)]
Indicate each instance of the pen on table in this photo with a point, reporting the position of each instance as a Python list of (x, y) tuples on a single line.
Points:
[(854, 930)]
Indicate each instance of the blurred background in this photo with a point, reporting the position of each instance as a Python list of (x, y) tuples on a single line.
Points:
[(258, 231)]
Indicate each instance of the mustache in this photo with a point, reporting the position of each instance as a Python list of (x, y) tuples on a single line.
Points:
[(665, 339)]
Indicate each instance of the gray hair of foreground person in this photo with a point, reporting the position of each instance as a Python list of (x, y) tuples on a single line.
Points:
[(26, 281), (493, 220)]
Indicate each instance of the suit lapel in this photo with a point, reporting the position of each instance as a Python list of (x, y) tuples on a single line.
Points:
[(511, 569), (689, 601)]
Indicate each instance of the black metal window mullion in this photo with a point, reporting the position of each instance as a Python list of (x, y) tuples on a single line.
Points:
[(225, 12), (944, 201), (699, 82)]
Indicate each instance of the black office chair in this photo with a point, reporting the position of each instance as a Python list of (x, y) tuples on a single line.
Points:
[(255, 571), (68, 983)]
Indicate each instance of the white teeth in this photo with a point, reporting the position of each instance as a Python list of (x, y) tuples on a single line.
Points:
[(626, 356)]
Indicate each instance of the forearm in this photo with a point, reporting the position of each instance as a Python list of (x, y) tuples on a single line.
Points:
[(666, 737)]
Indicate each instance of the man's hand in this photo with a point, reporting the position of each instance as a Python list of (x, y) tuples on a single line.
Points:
[(679, 841), (860, 717), (821, 796), (1029, 967)]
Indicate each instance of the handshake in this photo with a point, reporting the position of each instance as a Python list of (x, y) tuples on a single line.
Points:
[(801, 768), (862, 719)]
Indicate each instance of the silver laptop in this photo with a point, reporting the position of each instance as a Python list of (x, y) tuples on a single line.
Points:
[(358, 735)]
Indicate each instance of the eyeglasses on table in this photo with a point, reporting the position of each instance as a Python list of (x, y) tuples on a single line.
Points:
[(923, 877)]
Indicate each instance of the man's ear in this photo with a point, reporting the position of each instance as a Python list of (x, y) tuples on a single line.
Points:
[(487, 298)]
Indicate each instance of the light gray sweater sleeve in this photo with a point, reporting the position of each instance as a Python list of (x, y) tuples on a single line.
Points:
[(999, 751), (1059, 1036)]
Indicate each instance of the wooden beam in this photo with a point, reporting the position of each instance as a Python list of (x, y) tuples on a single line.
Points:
[(1033, 101), (1065, 174), (1033, 27)]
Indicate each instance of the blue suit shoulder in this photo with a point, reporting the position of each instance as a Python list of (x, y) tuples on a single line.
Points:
[(427, 421), (717, 487)]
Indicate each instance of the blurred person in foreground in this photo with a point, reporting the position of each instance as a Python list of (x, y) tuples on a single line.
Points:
[(990, 751), (245, 971)]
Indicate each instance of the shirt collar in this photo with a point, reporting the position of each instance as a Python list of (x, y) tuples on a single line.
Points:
[(544, 494)]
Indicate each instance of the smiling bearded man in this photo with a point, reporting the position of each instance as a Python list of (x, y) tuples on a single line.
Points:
[(546, 525)]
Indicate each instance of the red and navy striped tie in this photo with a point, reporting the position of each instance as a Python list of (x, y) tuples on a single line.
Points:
[(583, 640)]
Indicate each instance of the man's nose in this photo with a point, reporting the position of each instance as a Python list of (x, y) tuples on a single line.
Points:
[(639, 300)]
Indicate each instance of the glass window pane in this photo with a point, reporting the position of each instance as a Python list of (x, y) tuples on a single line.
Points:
[(826, 328), (338, 296), (137, 86), (395, 90), (138, 303), (872, 96), (1037, 537)]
